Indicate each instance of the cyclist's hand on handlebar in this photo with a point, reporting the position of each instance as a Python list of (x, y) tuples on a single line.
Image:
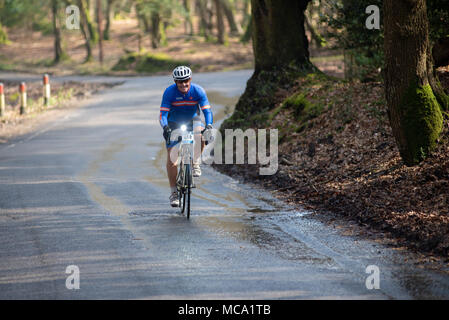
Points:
[(208, 127), (208, 136), (167, 133)]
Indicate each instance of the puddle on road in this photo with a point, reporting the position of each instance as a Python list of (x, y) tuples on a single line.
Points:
[(267, 237), (260, 210)]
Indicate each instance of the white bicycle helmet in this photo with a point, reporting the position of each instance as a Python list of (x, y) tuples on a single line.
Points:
[(182, 73)]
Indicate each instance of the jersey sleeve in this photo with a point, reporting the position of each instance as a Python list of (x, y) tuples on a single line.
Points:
[(205, 105), (165, 108)]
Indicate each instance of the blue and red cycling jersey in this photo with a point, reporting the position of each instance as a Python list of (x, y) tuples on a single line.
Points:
[(178, 107)]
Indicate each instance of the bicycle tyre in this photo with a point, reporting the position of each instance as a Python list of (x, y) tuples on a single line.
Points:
[(183, 196), (180, 186), (188, 183), (188, 202)]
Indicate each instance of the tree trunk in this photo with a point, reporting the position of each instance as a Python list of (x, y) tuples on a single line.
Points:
[(248, 31), (414, 111), (246, 13), (221, 35), (142, 19), (100, 30), (278, 33), (281, 56), (204, 26), (441, 96), (188, 26), (210, 15), (233, 25), (314, 33), (155, 30), (85, 12), (107, 27), (87, 43), (84, 31), (142, 25), (59, 53)]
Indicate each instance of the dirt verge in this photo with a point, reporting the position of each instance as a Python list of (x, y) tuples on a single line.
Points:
[(64, 97)]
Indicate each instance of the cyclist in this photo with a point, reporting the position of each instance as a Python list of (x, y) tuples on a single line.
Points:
[(181, 103)]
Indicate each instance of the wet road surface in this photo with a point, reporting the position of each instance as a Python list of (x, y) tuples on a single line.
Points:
[(90, 190)]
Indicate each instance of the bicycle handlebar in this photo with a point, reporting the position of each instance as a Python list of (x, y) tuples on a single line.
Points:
[(180, 138)]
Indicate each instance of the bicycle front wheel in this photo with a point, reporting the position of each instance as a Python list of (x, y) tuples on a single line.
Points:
[(187, 184), (183, 197), (180, 178)]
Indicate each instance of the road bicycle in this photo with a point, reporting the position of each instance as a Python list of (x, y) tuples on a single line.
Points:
[(184, 179)]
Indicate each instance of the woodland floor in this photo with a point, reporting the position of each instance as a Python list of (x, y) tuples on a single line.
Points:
[(31, 51)]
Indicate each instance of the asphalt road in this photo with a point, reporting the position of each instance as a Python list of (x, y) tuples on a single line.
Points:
[(90, 190)]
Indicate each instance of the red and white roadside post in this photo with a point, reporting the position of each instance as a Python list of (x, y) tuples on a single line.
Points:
[(2, 101), (23, 97), (46, 81)]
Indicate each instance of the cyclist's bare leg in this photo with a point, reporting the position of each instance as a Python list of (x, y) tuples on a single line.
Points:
[(172, 154), (198, 142)]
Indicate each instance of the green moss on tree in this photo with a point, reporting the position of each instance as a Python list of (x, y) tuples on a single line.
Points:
[(422, 122), (303, 109)]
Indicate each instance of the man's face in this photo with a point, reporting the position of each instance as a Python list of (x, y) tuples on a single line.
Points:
[(183, 85)]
